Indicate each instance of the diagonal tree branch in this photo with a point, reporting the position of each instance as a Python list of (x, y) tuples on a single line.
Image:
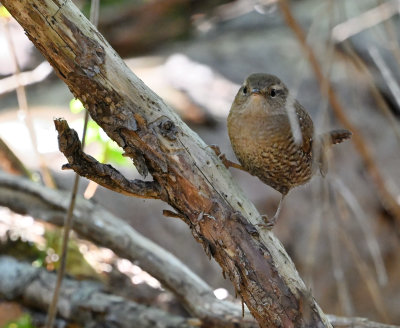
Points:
[(191, 177), (93, 222), (96, 224)]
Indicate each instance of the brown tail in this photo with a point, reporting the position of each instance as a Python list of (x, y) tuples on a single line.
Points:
[(330, 138), (336, 136)]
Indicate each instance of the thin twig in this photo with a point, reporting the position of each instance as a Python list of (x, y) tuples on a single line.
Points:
[(63, 257), (234, 9), (24, 109), (338, 273), (366, 20), (370, 239), (314, 233), (363, 270), (171, 214), (222, 219), (65, 239), (94, 15), (9, 162), (392, 30), (90, 189), (382, 104), (94, 223), (38, 74), (320, 196), (386, 73), (387, 199)]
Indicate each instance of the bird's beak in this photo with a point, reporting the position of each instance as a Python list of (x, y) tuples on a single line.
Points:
[(255, 91)]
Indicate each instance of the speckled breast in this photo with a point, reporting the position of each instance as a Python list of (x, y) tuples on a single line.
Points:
[(267, 150)]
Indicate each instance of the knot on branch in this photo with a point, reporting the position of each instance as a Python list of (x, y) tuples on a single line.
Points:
[(168, 128)]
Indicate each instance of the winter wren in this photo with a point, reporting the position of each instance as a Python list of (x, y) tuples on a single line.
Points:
[(262, 126)]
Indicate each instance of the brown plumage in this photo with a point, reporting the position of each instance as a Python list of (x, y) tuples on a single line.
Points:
[(263, 140)]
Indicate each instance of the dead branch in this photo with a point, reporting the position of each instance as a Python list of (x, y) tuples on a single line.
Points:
[(379, 99), (38, 74), (81, 302), (25, 110), (342, 322), (96, 224), (105, 175), (93, 222), (52, 312), (365, 20), (192, 179)]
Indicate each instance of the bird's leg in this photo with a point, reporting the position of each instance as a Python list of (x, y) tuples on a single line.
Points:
[(224, 160), (269, 223)]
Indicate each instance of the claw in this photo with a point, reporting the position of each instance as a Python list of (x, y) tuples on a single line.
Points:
[(223, 158), (269, 223), (216, 149)]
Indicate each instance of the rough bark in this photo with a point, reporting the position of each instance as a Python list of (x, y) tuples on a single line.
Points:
[(96, 224), (93, 222), (189, 176), (81, 302)]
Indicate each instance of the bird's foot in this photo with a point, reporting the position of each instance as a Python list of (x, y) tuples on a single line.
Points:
[(224, 160), (269, 223), (221, 156), (216, 149)]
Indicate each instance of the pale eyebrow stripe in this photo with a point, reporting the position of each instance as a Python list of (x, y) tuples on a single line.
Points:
[(277, 86)]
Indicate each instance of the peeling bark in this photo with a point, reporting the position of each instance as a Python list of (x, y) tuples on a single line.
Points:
[(94, 223), (103, 174), (191, 178)]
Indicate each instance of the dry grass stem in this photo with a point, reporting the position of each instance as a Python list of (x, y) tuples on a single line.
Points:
[(386, 197), (365, 226), (24, 110)]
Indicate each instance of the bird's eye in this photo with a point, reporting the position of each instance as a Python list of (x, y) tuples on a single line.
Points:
[(244, 90), (272, 93)]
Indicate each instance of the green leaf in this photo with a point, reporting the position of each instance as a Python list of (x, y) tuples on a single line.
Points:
[(76, 106), (113, 153), (24, 321), (93, 132), (4, 12), (109, 149)]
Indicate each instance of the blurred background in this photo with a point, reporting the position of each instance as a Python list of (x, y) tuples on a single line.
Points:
[(342, 232)]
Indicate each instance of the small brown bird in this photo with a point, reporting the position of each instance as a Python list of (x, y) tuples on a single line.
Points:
[(273, 137)]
